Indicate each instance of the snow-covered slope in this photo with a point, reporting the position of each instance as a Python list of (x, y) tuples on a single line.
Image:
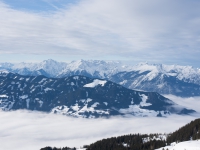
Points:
[(48, 67), (187, 145), (185, 73), (52, 68), (81, 96), (93, 68), (165, 79)]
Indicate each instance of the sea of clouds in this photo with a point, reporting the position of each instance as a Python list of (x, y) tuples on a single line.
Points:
[(22, 130), (189, 102)]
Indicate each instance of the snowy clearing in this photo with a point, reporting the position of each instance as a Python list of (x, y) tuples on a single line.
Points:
[(95, 83), (187, 145)]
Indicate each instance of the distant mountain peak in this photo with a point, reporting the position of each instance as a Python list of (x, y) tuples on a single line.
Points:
[(49, 61), (4, 72), (165, 79)]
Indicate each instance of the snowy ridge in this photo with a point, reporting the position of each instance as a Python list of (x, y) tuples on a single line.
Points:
[(177, 80), (165, 79), (80, 96), (106, 68), (4, 72), (188, 73), (96, 68), (50, 67)]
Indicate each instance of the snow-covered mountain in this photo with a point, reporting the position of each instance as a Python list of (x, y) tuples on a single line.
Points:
[(93, 68), (49, 68), (164, 79), (81, 96)]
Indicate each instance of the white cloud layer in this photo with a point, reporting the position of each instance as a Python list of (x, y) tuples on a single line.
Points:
[(22, 130), (190, 102), (159, 31)]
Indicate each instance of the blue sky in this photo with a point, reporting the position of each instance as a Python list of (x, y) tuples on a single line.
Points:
[(39, 5), (136, 31)]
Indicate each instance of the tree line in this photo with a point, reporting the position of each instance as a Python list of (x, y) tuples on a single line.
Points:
[(190, 131)]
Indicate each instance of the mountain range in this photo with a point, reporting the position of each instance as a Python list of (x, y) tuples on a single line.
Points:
[(81, 96), (178, 80)]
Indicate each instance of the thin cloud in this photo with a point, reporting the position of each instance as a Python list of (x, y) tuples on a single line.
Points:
[(190, 102), (22, 130), (91, 28)]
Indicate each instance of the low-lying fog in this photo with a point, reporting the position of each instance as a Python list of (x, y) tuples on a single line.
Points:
[(22, 130)]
